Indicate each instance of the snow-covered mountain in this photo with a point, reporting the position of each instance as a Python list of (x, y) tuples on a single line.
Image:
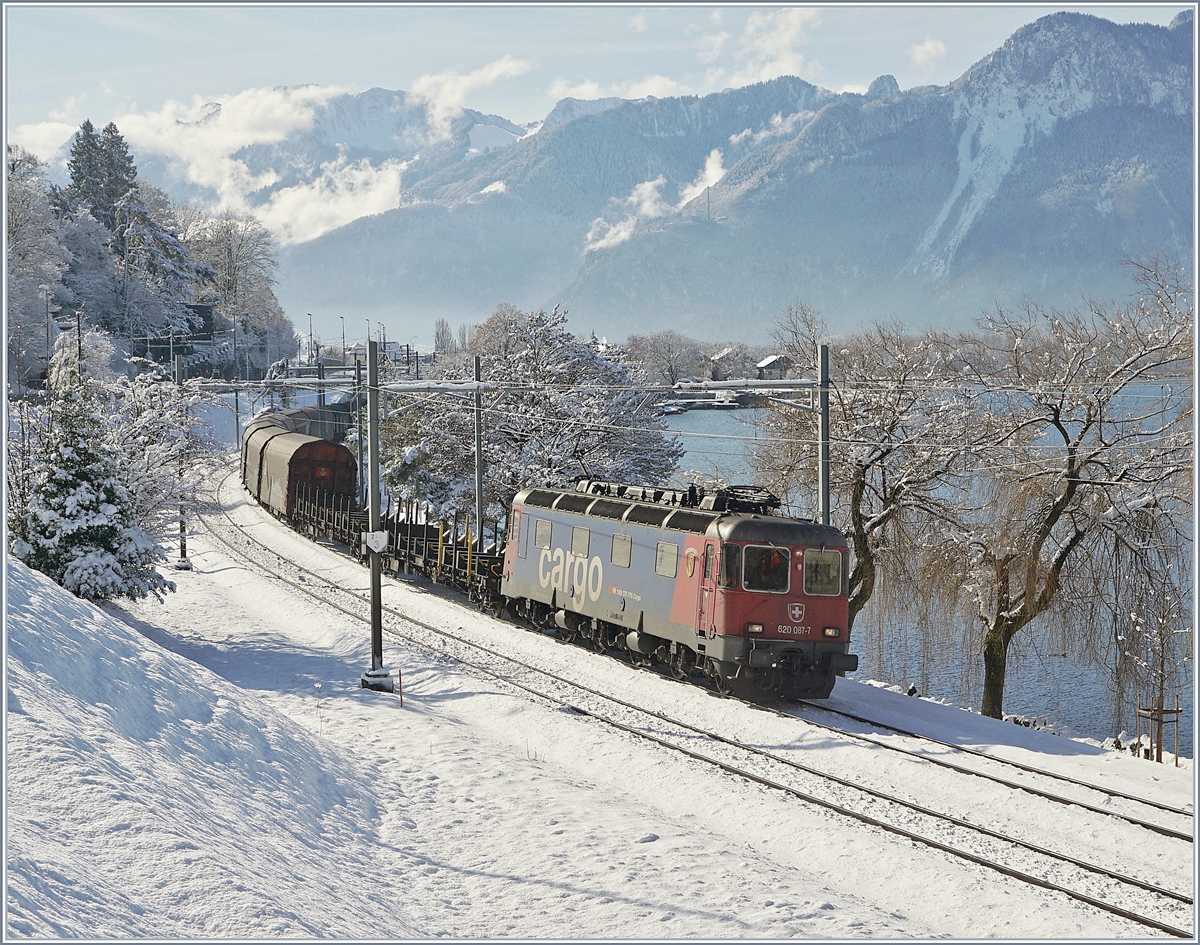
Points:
[(1063, 151)]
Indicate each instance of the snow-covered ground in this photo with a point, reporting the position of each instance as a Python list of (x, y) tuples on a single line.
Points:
[(209, 767)]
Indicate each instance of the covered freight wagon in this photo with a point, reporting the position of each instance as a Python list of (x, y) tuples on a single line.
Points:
[(277, 461)]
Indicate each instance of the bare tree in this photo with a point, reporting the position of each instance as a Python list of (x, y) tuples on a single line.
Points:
[(666, 355), (896, 441), (1086, 417)]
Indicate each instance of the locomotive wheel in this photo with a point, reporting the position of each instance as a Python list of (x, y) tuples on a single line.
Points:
[(683, 663), (720, 683)]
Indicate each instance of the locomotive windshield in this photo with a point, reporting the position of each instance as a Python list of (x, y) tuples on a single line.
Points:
[(731, 565), (822, 573), (766, 568)]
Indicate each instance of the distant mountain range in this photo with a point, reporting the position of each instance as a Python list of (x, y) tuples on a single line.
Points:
[(1063, 151)]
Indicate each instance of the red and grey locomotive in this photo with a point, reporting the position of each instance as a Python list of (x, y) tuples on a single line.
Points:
[(715, 583)]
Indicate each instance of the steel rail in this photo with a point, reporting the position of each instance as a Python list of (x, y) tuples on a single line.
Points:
[(990, 757), (733, 769)]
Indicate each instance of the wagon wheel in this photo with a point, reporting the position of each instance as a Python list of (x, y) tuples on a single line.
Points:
[(598, 642), (567, 636)]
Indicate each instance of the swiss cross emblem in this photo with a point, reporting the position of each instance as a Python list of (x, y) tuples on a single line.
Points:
[(796, 612)]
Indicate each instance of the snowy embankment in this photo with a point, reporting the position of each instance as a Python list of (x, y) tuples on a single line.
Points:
[(149, 796), (209, 767)]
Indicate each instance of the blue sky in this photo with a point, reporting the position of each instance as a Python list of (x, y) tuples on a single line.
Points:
[(67, 63)]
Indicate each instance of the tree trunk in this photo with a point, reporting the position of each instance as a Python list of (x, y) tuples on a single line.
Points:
[(995, 661)]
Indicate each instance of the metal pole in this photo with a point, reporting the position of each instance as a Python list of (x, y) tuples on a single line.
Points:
[(478, 458), (359, 405), (183, 564), (823, 433), (377, 677), (237, 406), (322, 424), (310, 338), (343, 318)]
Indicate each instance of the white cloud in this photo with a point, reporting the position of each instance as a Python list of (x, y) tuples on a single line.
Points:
[(200, 139), (711, 44), (768, 45), (643, 203), (927, 54), (712, 172), (443, 93), (777, 127), (638, 23), (659, 86), (343, 193), (45, 139)]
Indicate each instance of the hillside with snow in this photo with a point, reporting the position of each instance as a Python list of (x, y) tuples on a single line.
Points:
[(1033, 174), (208, 767)]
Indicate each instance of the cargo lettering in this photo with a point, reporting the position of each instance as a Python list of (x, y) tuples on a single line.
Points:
[(571, 574)]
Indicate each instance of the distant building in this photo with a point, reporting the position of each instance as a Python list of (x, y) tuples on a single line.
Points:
[(774, 367), (720, 365)]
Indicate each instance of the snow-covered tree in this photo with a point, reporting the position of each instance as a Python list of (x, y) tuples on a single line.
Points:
[(1085, 415), (567, 410), (667, 356), (243, 258), (898, 436), (35, 260), (92, 282), (102, 172), (79, 527), (158, 275)]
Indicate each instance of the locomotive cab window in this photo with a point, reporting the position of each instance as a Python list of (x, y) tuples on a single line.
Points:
[(767, 568), (541, 534), (731, 565), (622, 546), (666, 559), (822, 573), (581, 541)]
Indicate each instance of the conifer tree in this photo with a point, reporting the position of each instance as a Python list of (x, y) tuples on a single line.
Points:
[(118, 174), (86, 167), (79, 528)]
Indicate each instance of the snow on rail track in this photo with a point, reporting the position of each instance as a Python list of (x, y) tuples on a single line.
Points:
[(1102, 887)]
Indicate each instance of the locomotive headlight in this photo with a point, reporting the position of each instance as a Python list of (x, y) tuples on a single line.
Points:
[(832, 631), (754, 628)]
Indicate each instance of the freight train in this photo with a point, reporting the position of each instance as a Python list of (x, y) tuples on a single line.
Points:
[(715, 585)]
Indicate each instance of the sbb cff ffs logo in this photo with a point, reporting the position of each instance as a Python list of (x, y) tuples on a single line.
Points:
[(795, 612)]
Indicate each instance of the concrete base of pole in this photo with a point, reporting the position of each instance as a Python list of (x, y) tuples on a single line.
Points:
[(379, 680), (183, 564)]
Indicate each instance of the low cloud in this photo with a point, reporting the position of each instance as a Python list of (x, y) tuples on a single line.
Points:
[(341, 194), (712, 172), (777, 127), (443, 93), (928, 54), (643, 203), (45, 139), (199, 139), (638, 22)]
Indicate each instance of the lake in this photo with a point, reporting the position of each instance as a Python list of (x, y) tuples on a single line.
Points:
[(1040, 682)]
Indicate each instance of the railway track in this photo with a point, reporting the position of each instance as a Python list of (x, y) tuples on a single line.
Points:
[(1095, 885)]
